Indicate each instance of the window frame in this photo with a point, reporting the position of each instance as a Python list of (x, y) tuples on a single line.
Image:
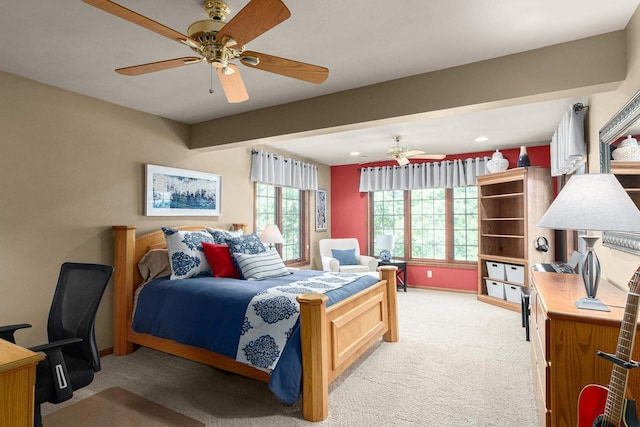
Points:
[(449, 262), (304, 223)]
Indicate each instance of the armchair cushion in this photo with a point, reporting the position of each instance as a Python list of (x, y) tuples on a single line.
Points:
[(363, 263), (345, 256)]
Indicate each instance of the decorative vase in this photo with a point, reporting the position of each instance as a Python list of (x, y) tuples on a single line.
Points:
[(627, 150), (497, 163), (523, 159)]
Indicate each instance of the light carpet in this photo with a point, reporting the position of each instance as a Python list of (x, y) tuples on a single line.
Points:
[(459, 362)]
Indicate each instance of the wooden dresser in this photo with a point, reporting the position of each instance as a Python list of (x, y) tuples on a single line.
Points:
[(17, 384), (564, 340)]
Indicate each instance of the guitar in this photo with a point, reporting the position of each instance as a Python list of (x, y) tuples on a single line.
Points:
[(600, 406)]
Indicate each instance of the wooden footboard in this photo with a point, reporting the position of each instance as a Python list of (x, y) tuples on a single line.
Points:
[(332, 337)]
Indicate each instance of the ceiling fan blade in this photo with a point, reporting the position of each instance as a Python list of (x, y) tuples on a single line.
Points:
[(143, 21), (429, 156), (232, 84), (137, 70), (411, 153), (287, 67), (256, 18)]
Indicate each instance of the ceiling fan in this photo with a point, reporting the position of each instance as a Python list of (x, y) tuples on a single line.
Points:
[(402, 154), (218, 43)]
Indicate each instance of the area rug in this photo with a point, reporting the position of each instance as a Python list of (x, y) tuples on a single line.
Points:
[(116, 407)]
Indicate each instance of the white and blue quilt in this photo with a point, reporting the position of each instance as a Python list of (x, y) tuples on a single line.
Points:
[(230, 317)]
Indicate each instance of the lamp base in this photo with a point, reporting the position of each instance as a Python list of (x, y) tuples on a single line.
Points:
[(591, 304)]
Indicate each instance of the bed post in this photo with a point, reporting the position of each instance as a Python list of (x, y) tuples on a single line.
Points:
[(315, 369), (388, 273), (125, 238)]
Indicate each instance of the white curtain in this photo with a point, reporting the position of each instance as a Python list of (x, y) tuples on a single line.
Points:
[(281, 171), (445, 174), (568, 149)]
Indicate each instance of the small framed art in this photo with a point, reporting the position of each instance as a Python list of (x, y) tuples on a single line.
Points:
[(321, 210), (181, 192)]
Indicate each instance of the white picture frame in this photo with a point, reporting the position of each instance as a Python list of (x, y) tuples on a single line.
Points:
[(321, 210), (181, 192)]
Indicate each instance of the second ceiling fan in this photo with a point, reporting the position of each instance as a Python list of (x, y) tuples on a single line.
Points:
[(402, 154), (218, 43)]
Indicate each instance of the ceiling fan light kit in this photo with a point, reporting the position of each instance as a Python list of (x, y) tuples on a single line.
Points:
[(219, 42)]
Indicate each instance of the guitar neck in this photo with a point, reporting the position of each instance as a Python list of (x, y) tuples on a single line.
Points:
[(618, 384)]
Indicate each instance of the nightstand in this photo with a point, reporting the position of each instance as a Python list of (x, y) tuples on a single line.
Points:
[(401, 273)]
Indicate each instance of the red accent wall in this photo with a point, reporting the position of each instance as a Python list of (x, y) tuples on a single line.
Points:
[(350, 216)]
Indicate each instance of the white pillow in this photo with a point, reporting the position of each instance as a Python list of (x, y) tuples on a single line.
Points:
[(185, 252), (261, 265)]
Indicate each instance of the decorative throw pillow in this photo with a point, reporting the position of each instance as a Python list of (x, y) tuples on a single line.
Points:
[(249, 244), (220, 260), (220, 237), (262, 265), (345, 256), (153, 264), (186, 253)]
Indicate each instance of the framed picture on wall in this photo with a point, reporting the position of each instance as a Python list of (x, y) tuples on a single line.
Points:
[(181, 192), (321, 210)]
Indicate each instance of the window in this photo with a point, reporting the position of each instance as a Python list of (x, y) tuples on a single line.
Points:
[(285, 207), (435, 224)]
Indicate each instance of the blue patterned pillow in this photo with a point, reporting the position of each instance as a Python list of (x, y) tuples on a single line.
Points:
[(345, 256), (185, 252), (249, 244), (261, 265), (220, 237)]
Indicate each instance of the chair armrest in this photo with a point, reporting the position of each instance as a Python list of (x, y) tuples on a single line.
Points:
[(369, 261), (58, 367), (55, 345), (330, 264), (6, 332)]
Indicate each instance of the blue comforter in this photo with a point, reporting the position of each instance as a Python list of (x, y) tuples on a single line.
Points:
[(208, 312)]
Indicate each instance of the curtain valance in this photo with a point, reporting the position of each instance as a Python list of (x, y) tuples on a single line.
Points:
[(281, 171), (445, 174)]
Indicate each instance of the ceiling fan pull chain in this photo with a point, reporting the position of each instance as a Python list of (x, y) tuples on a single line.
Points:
[(211, 87)]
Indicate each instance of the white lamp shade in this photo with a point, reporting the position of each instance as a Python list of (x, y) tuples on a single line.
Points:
[(385, 241), (592, 202), (271, 234)]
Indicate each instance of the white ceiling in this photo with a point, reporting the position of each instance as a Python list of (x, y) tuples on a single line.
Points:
[(72, 45)]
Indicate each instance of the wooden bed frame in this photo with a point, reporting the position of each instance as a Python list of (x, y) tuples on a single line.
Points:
[(332, 338)]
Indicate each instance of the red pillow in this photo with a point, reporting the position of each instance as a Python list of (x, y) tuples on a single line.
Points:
[(219, 258)]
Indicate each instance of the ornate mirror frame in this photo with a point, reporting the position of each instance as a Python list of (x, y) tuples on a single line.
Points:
[(616, 127)]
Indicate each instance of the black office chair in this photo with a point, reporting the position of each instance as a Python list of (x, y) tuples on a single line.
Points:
[(72, 353)]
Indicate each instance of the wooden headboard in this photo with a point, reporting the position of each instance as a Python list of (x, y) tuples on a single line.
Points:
[(129, 250)]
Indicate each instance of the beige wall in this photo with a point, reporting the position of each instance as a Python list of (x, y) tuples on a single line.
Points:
[(617, 266), (72, 167)]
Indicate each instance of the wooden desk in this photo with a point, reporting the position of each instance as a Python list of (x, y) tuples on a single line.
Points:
[(17, 384), (564, 340)]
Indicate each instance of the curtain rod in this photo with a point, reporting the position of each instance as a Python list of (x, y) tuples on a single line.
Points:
[(579, 107)]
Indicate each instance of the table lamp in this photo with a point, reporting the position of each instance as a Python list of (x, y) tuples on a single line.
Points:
[(271, 235), (385, 243), (592, 202)]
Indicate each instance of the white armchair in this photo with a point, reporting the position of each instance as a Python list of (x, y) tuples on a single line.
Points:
[(329, 263)]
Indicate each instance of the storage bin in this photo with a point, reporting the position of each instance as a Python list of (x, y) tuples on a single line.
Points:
[(515, 273), (495, 289), (495, 270), (513, 293)]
